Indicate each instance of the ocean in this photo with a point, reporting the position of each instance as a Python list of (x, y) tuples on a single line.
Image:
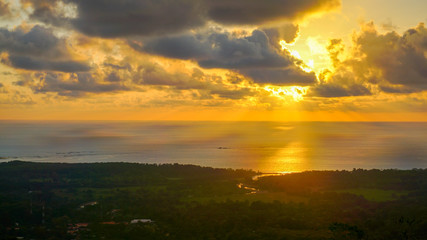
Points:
[(268, 147)]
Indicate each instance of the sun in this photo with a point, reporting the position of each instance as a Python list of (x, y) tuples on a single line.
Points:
[(295, 92), (305, 66)]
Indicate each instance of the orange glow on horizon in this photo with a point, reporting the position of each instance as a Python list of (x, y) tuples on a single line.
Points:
[(206, 114)]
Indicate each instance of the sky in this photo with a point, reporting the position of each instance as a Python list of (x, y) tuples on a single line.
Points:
[(240, 60)]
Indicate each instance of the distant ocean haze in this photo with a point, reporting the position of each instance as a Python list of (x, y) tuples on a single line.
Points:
[(261, 146)]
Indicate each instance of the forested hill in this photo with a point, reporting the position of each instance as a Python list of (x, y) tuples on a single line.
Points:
[(389, 179), (108, 174), (172, 201)]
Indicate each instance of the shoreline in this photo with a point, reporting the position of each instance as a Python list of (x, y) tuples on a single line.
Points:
[(258, 174)]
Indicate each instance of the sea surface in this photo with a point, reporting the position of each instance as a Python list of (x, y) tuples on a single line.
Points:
[(261, 146)]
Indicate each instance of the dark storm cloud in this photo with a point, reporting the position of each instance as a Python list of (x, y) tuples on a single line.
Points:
[(337, 90), (30, 63), (111, 18), (37, 41), (73, 85), (256, 12), (288, 76), (37, 49), (185, 47), (252, 55), (396, 89), (287, 32), (240, 53)]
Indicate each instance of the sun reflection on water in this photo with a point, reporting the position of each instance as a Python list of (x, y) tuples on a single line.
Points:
[(292, 158)]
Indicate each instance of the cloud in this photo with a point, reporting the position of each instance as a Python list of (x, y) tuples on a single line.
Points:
[(112, 77), (233, 93), (109, 18), (400, 60), (186, 46), (338, 90), (206, 85), (287, 76), (287, 32), (49, 11), (71, 85), (341, 83), (136, 75), (3, 89), (155, 75), (37, 41), (388, 26), (4, 9), (344, 81), (11, 98), (388, 62), (396, 89), (37, 49), (240, 53), (31, 63), (252, 55), (258, 12)]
